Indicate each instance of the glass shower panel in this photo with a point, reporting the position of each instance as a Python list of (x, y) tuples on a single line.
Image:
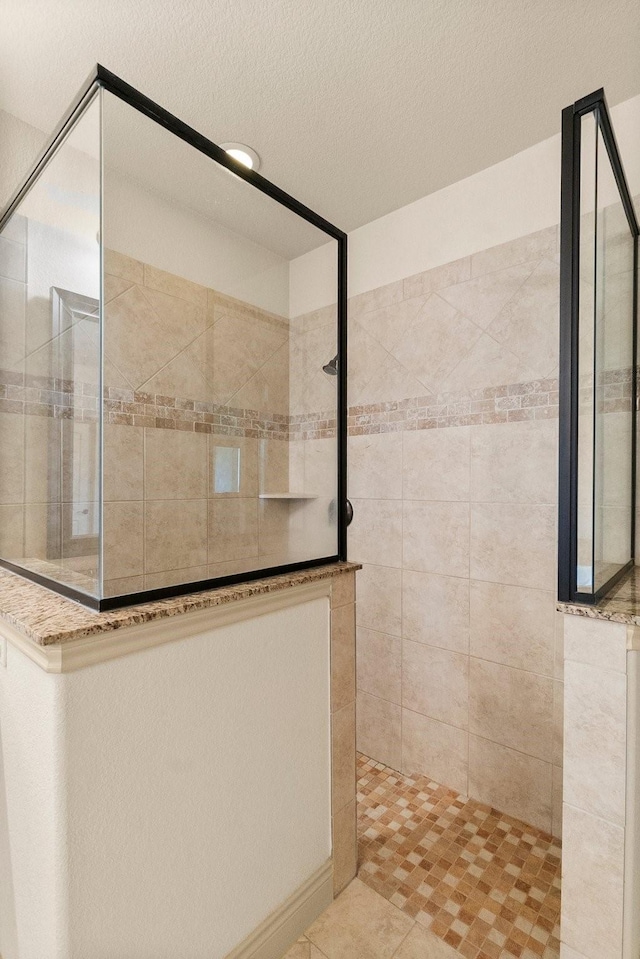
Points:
[(586, 346), (50, 377), (613, 376), (220, 424)]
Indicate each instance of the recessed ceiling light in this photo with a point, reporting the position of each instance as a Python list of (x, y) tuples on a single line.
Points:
[(243, 154)]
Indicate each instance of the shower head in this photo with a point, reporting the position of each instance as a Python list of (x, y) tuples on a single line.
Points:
[(331, 367)]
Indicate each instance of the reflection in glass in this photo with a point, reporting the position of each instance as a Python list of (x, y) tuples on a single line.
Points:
[(50, 333), (605, 416)]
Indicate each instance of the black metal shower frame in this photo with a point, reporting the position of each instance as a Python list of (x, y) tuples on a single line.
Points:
[(101, 78), (572, 116)]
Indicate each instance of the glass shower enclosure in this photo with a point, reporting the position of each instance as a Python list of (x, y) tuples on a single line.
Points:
[(166, 424), (598, 357)]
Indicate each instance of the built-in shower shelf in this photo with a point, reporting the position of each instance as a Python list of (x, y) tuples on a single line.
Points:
[(287, 496)]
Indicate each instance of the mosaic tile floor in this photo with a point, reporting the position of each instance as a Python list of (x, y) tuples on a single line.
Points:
[(485, 883)]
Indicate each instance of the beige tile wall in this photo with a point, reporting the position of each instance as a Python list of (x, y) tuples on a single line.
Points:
[(457, 633), (163, 519)]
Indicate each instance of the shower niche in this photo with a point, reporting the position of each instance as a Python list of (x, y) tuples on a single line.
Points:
[(166, 424)]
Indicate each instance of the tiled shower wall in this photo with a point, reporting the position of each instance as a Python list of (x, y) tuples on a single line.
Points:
[(190, 371), (452, 474)]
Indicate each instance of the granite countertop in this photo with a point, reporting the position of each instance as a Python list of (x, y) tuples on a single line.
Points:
[(49, 619), (621, 605)]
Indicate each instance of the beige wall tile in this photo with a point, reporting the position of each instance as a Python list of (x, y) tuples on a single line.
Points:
[(487, 363), (117, 264), (390, 381), (343, 656), (320, 466), (389, 324), (123, 462), (175, 464), (114, 286), (436, 750), (595, 643), (592, 878), (123, 540), (378, 729), (512, 782), (11, 458), (38, 519), (521, 250), (343, 589), (360, 922), (176, 286), (616, 459), (375, 466), (136, 340), (595, 708), (120, 587), (438, 278), (185, 320), (343, 757), (273, 528), (513, 544), (435, 682), (12, 531), (558, 722), (345, 847), (273, 466), (513, 625), (511, 707), (365, 357), (514, 462), (436, 341), (175, 534), (482, 298), (379, 664), (42, 459), (436, 537), (174, 576), (435, 464), (556, 813), (375, 299), (183, 376), (379, 603), (233, 529), (435, 610), (375, 535), (528, 324)]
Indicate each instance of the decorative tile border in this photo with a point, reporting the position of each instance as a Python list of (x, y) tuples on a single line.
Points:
[(515, 402)]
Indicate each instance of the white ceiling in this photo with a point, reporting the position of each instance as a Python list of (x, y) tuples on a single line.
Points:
[(356, 107)]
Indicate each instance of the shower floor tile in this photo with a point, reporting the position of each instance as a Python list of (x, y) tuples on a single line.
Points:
[(483, 882)]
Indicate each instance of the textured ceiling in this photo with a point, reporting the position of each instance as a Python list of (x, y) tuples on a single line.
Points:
[(355, 106)]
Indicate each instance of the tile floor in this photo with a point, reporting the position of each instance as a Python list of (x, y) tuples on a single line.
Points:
[(439, 877)]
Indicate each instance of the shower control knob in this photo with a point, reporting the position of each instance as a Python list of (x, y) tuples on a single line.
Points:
[(349, 512)]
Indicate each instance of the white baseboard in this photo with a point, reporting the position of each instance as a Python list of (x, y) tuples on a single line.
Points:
[(279, 931)]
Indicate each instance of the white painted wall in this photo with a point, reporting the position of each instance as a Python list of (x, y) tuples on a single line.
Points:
[(511, 199), (163, 804)]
